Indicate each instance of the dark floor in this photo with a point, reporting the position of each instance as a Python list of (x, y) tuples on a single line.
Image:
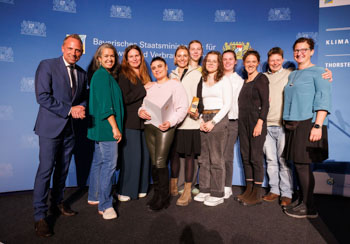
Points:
[(227, 223)]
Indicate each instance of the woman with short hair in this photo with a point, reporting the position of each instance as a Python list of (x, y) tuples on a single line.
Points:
[(160, 137), (307, 103)]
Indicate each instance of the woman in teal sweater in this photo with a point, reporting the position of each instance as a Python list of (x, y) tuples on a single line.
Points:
[(106, 111), (307, 102)]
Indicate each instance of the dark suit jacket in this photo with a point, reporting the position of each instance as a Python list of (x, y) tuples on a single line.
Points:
[(54, 95)]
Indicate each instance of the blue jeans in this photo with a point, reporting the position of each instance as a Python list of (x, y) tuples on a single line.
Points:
[(278, 170), (101, 173)]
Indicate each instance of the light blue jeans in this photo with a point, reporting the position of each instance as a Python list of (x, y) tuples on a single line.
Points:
[(278, 170), (101, 173)]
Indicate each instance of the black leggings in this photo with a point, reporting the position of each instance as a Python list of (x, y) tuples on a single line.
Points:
[(175, 165), (158, 144), (306, 183)]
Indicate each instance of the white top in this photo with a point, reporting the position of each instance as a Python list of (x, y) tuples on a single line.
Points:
[(236, 83), (218, 96), (74, 72), (190, 82)]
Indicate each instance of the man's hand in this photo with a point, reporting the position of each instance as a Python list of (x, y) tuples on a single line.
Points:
[(78, 112)]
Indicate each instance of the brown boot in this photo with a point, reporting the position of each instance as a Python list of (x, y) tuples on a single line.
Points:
[(186, 196), (254, 197), (173, 187), (246, 193)]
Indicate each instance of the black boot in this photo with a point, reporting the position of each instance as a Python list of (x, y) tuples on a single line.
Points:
[(155, 180), (163, 199)]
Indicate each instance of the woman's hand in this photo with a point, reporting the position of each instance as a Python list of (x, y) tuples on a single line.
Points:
[(148, 85), (117, 135), (194, 115), (206, 126), (164, 126), (144, 115), (201, 126), (327, 75), (258, 128), (315, 134)]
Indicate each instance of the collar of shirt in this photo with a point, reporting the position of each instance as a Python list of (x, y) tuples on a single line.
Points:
[(269, 71), (68, 69)]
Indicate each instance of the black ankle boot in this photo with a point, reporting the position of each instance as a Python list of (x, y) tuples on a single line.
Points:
[(163, 199), (155, 180)]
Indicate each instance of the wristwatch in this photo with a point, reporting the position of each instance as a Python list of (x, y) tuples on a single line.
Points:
[(317, 126), (213, 122)]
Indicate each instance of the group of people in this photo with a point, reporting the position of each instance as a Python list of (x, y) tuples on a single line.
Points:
[(281, 114)]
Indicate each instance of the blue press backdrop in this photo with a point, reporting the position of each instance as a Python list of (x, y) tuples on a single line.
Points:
[(34, 30)]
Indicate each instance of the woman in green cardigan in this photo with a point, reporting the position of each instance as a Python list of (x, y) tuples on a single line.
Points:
[(106, 111)]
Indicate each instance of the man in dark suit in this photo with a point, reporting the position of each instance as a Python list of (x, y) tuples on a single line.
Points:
[(61, 91)]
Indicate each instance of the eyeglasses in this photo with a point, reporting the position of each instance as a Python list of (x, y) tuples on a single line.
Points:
[(302, 51)]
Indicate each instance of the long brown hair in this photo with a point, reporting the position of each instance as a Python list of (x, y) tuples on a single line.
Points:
[(220, 72), (129, 73)]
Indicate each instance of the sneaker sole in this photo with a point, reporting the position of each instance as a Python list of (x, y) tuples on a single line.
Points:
[(296, 216), (199, 200), (211, 204), (93, 203), (227, 197), (110, 218)]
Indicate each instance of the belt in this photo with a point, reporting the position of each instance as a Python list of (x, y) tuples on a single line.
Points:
[(214, 111)]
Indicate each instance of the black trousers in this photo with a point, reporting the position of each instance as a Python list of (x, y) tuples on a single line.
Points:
[(251, 148)]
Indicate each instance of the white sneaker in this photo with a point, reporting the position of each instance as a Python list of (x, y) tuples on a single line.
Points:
[(142, 195), (201, 197), (109, 213), (93, 202), (213, 201), (123, 198), (228, 192)]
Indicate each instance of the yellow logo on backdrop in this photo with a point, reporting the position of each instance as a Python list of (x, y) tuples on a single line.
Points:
[(83, 38), (238, 47), (328, 1)]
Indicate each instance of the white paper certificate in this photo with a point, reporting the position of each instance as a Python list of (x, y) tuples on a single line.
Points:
[(159, 114)]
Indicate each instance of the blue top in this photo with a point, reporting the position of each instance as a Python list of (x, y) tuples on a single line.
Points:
[(305, 94)]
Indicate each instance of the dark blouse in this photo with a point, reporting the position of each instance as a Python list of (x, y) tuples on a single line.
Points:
[(255, 95), (132, 96)]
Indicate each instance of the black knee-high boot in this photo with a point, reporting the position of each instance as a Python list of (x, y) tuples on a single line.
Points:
[(155, 179), (163, 199)]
